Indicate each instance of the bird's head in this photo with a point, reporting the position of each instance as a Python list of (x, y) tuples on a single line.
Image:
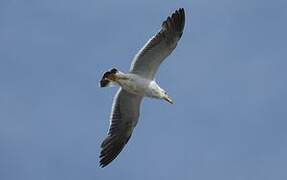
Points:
[(166, 97), (159, 93)]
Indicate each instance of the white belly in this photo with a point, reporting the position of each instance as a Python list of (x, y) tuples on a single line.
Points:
[(135, 84)]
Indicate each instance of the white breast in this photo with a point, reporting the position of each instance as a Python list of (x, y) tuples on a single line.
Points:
[(135, 84)]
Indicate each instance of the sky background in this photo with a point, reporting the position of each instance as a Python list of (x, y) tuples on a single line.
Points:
[(227, 77)]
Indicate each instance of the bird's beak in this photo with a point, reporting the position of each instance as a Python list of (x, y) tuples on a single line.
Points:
[(168, 99)]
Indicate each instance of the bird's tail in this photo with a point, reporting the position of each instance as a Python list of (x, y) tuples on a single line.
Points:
[(108, 78)]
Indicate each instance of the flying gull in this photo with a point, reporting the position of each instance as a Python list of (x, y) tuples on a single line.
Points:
[(138, 83)]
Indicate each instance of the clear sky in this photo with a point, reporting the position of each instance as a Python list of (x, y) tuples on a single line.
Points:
[(227, 78)]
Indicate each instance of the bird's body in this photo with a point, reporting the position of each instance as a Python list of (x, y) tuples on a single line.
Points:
[(138, 83), (134, 84)]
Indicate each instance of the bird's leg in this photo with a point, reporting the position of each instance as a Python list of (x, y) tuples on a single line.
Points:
[(115, 77)]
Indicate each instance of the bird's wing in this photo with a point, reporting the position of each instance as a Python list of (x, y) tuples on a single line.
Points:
[(148, 59), (124, 117)]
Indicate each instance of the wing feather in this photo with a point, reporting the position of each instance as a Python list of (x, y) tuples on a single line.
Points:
[(149, 58), (124, 117)]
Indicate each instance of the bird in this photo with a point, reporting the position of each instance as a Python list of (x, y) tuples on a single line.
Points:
[(138, 83)]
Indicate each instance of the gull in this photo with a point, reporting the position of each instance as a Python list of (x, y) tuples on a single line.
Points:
[(139, 82)]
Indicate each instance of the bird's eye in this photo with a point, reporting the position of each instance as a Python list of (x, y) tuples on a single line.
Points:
[(165, 93)]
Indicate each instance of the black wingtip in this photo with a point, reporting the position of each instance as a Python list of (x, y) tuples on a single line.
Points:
[(101, 165), (111, 148), (175, 22), (180, 14)]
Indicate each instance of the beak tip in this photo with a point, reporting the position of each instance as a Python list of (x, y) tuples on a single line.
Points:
[(168, 99)]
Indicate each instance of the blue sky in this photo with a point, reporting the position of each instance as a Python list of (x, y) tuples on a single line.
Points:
[(227, 78)]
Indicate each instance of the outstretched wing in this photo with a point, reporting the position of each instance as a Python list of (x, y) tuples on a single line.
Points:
[(124, 117), (149, 58)]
